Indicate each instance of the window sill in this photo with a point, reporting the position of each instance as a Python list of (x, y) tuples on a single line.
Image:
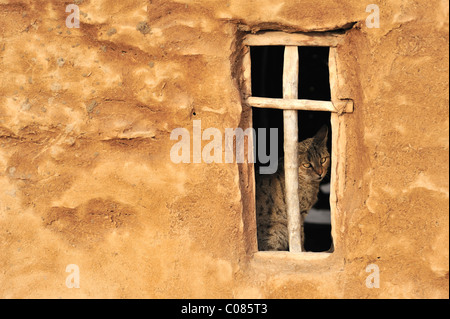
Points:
[(285, 262), (288, 256)]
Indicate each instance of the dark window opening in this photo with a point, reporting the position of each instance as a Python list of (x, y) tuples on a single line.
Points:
[(314, 77), (267, 74)]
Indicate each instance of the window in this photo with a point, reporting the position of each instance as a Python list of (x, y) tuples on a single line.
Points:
[(286, 52)]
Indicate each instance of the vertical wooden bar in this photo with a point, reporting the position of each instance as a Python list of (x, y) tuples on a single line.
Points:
[(247, 73), (247, 169), (290, 91), (332, 68), (247, 86), (340, 105), (335, 128)]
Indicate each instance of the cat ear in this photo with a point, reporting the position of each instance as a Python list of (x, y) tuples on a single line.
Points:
[(322, 135)]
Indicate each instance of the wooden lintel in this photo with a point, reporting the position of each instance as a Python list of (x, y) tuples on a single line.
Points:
[(327, 39)]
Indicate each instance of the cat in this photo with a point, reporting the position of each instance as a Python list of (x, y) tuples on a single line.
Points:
[(271, 214)]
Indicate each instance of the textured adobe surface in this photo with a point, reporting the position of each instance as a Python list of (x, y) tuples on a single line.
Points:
[(86, 177)]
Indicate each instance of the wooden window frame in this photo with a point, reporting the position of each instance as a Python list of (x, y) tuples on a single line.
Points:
[(290, 104)]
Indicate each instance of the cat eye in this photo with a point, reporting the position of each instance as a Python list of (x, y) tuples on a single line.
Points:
[(323, 160), (307, 165)]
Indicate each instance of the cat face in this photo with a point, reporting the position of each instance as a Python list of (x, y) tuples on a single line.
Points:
[(313, 157)]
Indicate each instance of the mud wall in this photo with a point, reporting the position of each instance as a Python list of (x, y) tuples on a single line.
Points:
[(86, 177)]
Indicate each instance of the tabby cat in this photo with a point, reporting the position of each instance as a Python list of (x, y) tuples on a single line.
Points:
[(271, 214)]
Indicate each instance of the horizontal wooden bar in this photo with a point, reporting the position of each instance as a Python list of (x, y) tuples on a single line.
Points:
[(344, 106), (326, 39), (290, 104)]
